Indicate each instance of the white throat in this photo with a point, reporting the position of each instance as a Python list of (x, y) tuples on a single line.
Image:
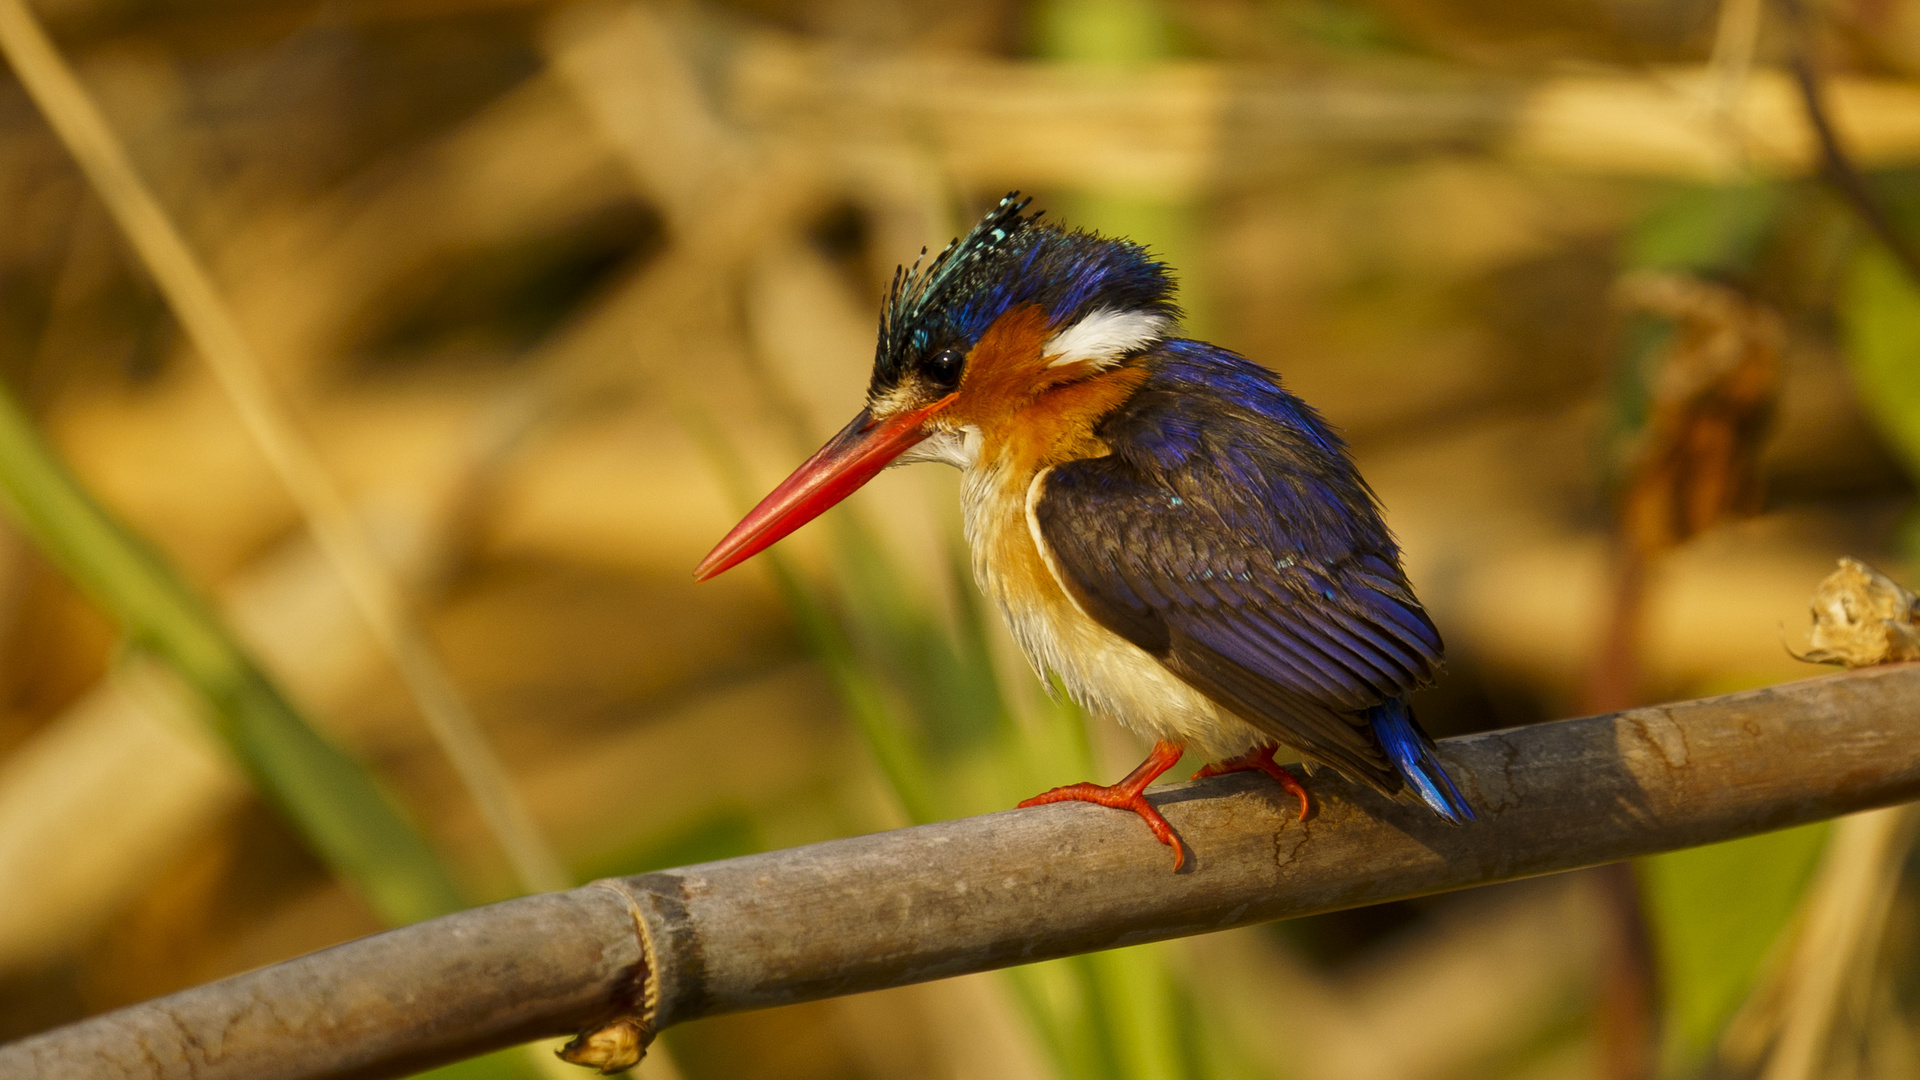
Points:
[(959, 448)]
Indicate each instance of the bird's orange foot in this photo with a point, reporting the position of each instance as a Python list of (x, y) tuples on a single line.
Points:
[(1120, 798), (1128, 794), (1260, 759)]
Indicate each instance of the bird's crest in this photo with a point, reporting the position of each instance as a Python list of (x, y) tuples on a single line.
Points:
[(915, 292), (1008, 260)]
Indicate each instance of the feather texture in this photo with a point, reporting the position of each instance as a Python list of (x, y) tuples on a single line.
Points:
[(1184, 543), (1104, 337), (1012, 260), (1228, 535)]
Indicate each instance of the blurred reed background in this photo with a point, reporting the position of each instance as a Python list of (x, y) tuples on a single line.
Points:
[(551, 291)]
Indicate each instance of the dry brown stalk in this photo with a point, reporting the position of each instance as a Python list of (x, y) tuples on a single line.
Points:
[(1836, 160), (1861, 618), (1695, 466)]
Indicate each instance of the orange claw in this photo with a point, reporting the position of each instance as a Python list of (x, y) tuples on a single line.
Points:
[(1129, 794), (1260, 759)]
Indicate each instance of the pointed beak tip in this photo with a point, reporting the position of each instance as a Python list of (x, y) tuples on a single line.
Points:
[(713, 565), (847, 461)]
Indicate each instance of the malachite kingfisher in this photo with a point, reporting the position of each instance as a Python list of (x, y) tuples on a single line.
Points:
[(1180, 541)]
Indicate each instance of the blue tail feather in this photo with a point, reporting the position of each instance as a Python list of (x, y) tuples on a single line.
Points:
[(1412, 755)]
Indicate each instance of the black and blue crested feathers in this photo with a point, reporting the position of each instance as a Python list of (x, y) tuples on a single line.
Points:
[(1011, 259), (1229, 535)]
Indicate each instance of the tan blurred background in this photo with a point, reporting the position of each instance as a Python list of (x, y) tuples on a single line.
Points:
[(503, 258)]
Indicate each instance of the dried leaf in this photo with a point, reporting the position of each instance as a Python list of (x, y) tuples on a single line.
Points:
[(1861, 618), (615, 1048), (1697, 462)]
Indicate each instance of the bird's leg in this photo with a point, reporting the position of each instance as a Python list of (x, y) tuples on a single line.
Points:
[(1129, 794), (1260, 759)]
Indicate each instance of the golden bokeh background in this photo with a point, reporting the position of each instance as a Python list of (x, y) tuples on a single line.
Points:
[(533, 279)]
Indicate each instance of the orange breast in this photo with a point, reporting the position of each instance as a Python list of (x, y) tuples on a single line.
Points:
[(1030, 417), (1104, 673)]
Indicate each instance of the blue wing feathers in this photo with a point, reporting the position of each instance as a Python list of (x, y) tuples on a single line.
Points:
[(1229, 534)]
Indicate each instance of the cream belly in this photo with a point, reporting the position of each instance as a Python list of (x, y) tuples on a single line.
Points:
[(1103, 672)]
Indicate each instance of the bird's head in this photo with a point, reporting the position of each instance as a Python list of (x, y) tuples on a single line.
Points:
[(1012, 312)]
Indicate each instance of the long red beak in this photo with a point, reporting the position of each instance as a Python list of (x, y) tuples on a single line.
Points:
[(835, 471)]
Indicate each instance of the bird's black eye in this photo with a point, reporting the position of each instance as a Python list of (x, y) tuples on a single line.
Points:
[(943, 368)]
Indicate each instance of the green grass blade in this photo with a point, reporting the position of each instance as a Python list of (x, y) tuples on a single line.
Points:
[(891, 743), (1057, 999), (1141, 1012), (1714, 230), (334, 803), (1717, 913), (1880, 325)]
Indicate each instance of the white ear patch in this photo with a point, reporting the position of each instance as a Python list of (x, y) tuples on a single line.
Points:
[(1103, 336)]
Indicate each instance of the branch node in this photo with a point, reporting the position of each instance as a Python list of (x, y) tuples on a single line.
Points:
[(619, 1044)]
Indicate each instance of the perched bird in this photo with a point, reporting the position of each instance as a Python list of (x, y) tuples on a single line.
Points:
[(1183, 543)]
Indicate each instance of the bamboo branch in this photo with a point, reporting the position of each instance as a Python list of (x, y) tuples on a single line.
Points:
[(627, 957)]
